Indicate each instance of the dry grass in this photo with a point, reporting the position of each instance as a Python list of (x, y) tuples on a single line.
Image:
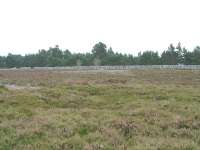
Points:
[(100, 110)]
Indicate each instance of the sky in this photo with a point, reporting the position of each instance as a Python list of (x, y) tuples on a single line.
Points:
[(128, 26)]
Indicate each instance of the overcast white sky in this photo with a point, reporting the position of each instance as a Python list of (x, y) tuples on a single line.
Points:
[(127, 25)]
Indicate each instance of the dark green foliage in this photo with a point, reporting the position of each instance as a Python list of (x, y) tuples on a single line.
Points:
[(149, 58), (99, 50), (196, 56), (101, 55), (170, 57), (14, 61), (2, 62)]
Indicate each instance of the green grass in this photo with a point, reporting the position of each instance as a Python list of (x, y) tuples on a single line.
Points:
[(152, 110), (2, 89)]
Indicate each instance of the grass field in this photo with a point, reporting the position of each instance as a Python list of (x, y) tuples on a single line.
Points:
[(100, 110)]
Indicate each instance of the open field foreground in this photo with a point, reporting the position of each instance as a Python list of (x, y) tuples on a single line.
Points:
[(100, 110)]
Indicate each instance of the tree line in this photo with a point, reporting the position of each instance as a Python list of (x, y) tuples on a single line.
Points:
[(101, 55)]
